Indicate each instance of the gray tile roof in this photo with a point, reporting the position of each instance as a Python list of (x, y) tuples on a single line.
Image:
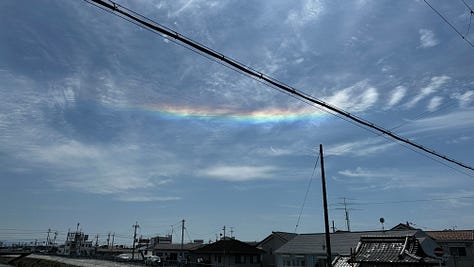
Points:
[(391, 250), (341, 242)]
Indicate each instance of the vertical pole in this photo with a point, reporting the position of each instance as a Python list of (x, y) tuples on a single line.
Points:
[(113, 239), (182, 241), (325, 204), (135, 226), (347, 216), (48, 242)]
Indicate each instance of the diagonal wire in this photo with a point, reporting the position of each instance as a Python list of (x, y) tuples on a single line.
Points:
[(449, 23), (306, 194)]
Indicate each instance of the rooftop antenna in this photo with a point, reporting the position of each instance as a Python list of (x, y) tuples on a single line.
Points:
[(382, 220)]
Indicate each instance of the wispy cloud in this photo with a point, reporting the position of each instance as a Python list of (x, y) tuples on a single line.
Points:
[(144, 198), (308, 11), (449, 122), (387, 179), (356, 98), (435, 83), (435, 102), (465, 98), (427, 38), (239, 173), (396, 95), (360, 147)]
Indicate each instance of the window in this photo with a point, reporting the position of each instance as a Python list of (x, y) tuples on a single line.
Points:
[(457, 251), (239, 259)]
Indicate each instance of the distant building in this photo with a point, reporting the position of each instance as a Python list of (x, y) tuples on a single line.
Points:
[(227, 252), (77, 244)]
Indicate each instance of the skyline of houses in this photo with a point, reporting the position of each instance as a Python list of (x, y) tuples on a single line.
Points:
[(402, 245)]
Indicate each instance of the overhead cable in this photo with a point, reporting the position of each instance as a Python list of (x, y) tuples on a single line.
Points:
[(154, 26)]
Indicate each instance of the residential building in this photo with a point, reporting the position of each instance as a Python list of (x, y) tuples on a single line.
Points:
[(393, 250), (309, 250), (228, 252), (458, 246), (270, 244)]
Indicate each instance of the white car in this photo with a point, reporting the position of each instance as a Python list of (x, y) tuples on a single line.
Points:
[(152, 260)]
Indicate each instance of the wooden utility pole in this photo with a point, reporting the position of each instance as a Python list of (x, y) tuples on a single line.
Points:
[(135, 226), (325, 204)]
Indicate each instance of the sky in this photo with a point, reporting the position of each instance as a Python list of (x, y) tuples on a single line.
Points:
[(107, 124)]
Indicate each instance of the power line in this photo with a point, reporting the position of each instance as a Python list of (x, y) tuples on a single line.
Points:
[(307, 192), (449, 23), (155, 27)]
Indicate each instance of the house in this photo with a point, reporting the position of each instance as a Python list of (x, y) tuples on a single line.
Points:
[(458, 246), (271, 243), (309, 250), (171, 253), (228, 252), (389, 250)]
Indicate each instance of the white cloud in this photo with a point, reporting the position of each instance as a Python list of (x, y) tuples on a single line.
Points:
[(361, 147), (435, 102), (459, 140), (465, 98), (427, 38), (396, 95), (239, 173), (435, 83), (358, 97), (387, 179), (310, 10), (145, 198), (450, 122), (461, 198)]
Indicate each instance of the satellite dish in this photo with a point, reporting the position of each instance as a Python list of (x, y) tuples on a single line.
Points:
[(382, 220)]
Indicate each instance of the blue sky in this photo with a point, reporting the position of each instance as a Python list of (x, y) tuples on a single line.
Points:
[(105, 124)]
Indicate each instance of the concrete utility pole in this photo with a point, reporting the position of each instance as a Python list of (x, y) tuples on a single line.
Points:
[(48, 242), (113, 239), (347, 216), (135, 226), (182, 241), (325, 204)]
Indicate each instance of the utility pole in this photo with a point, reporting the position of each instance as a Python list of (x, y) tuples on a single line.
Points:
[(113, 239), (347, 216), (232, 232), (182, 242), (96, 240), (108, 240), (54, 240), (48, 242), (325, 204), (135, 226), (224, 231)]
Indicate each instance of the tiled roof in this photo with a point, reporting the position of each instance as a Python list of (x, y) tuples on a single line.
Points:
[(229, 246), (387, 249), (391, 249), (452, 235), (341, 242), (173, 247), (343, 261)]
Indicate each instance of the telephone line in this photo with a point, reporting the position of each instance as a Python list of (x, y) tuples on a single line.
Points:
[(153, 26), (449, 23)]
